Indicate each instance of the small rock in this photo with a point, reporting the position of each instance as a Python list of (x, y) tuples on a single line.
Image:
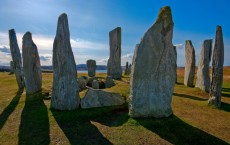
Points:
[(109, 82), (82, 82), (95, 84), (100, 98)]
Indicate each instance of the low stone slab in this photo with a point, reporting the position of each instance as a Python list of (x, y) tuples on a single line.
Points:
[(101, 98)]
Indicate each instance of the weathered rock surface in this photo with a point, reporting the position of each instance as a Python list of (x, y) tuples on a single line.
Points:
[(11, 67), (217, 69), (190, 62), (109, 82), (152, 84), (114, 63), (65, 94), (203, 78), (82, 82), (100, 98), (95, 84), (16, 57), (31, 65), (91, 65)]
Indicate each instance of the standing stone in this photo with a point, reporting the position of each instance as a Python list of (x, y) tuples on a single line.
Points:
[(95, 84), (203, 78), (154, 70), (91, 65), (189, 72), (127, 68), (217, 69), (16, 57), (174, 47), (11, 67), (114, 62), (31, 65), (65, 95), (109, 82)]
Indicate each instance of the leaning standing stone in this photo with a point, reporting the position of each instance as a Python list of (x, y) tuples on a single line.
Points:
[(91, 66), (114, 62), (154, 70), (203, 78), (65, 95), (189, 72), (31, 65), (16, 57), (217, 69)]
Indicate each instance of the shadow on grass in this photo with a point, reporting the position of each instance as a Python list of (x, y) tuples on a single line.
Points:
[(225, 106), (34, 126), (10, 108), (116, 117), (178, 83), (78, 128), (189, 97), (225, 95), (226, 89), (176, 131)]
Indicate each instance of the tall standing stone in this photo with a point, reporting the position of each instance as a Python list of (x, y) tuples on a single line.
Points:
[(154, 70), (203, 78), (31, 65), (114, 62), (127, 68), (91, 66), (16, 57), (217, 69), (190, 67), (65, 94)]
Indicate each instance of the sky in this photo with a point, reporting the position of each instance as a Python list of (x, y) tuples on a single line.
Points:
[(91, 20)]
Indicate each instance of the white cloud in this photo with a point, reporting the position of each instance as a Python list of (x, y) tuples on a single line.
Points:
[(45, 46), (87, 45), (129, 55), (179, 46), (104, 60)]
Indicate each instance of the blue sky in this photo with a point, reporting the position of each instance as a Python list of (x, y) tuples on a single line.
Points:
[(91, 20)]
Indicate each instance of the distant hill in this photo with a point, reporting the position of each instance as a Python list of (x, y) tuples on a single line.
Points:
[(50, 68)]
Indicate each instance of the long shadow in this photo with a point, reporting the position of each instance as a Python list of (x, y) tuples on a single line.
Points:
[(176, 131), (189, 97), (10, 108), (34, 126), (116, 117), (225, 95), (77, 126), (225, 107), (226, 89)]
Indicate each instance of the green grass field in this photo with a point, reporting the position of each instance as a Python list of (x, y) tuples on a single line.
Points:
[(28, 120)]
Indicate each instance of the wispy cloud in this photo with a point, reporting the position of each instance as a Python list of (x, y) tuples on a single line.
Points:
[(179, 46), (5, 50), (87, 45), (104, 60)]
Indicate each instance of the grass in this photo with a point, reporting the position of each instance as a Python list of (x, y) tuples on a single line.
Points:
[(28, 120)]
